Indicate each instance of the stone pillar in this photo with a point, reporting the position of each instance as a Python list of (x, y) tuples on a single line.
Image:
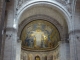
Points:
[(2, 26), (18, 50), (10, 44), (11, 33), (64, 50), (78, 44), (73, 51)]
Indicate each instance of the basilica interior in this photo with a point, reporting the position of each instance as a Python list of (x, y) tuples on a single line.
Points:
[(39, 29)]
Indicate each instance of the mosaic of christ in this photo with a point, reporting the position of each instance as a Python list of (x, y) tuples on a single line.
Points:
[(39, 35)]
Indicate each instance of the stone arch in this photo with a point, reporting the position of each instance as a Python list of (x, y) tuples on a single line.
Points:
[(57, 7), (37, 57), (30, 57), (51, 4)]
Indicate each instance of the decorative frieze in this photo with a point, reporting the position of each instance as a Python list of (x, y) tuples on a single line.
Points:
[(19, 4)]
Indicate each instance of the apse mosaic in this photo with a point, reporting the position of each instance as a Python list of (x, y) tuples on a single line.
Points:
[(39, 35)]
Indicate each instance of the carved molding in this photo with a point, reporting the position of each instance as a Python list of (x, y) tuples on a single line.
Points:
[(64, 3), (19, 4)]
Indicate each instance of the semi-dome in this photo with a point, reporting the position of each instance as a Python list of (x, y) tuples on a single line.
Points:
[(39, 35)]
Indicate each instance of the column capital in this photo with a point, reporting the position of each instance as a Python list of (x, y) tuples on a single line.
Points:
[(12, 29)]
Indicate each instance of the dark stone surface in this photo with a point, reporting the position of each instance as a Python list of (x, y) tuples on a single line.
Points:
[(2, 15)]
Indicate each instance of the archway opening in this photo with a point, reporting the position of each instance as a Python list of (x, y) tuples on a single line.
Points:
[(37, 58), (38, 46)]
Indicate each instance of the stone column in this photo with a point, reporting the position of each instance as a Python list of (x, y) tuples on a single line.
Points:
[(73, 51), (11, 33), (64, 50), (2, 26), (18, 50), (10, 44), (78, 44)]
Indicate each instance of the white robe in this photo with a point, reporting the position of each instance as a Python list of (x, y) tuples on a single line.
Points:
[(38, 36)]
